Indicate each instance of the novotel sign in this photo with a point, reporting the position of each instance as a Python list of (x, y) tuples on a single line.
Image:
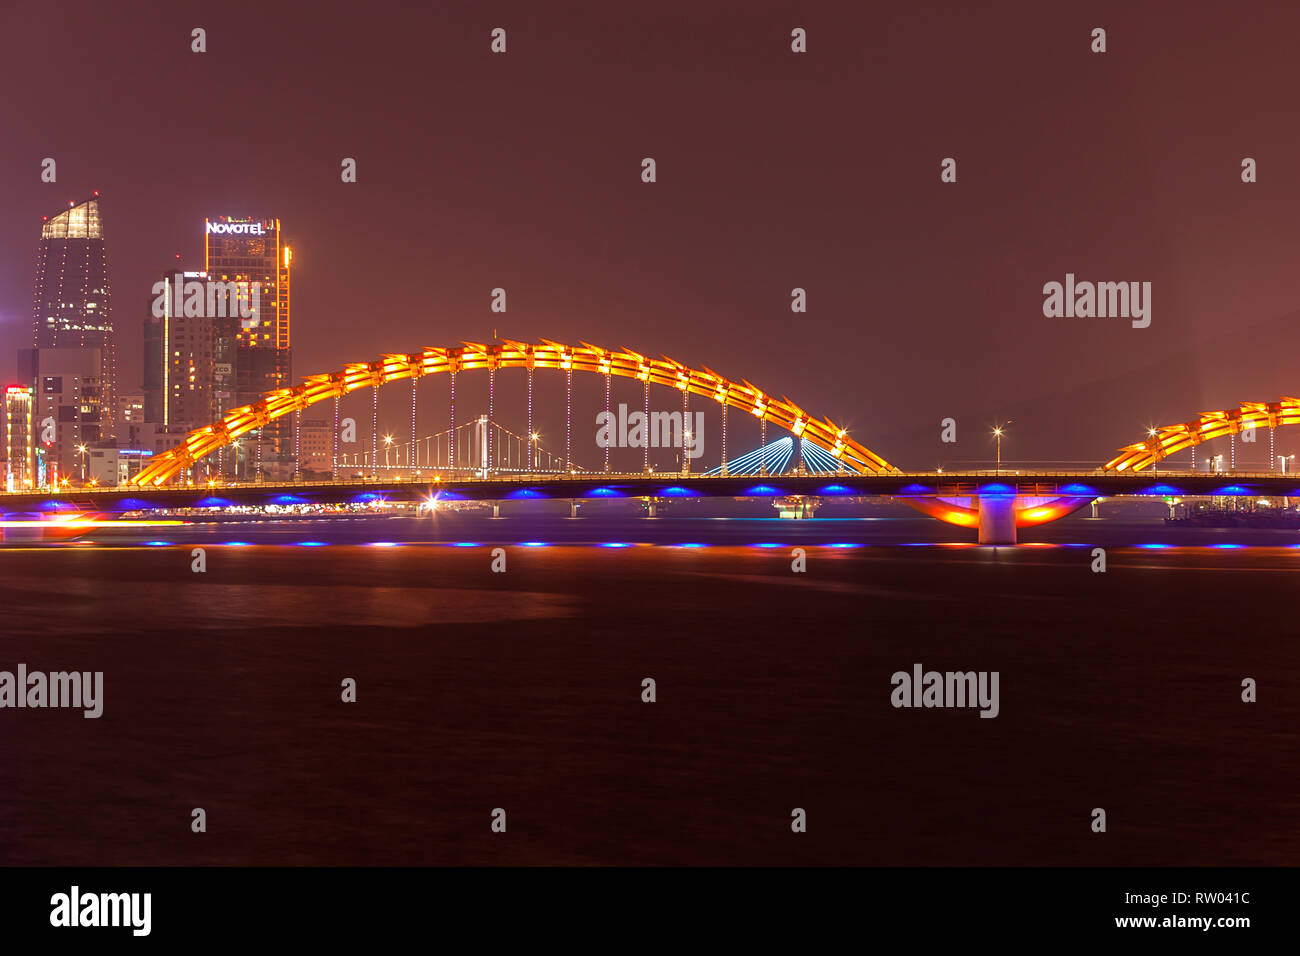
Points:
[(236, 229)]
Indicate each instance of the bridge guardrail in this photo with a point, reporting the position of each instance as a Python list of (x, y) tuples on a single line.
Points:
[(1042, 482)]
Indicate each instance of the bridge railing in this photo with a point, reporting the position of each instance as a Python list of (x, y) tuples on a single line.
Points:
[(944, 482)]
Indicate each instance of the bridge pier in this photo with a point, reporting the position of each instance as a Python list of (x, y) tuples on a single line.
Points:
[(997, 519), (797, 506)]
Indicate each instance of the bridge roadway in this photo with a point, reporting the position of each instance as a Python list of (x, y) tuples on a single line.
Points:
[(659, 485)]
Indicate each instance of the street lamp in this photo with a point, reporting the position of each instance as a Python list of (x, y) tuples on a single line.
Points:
[(1284, 459), (997, 433), (82, 450), (388, 443)]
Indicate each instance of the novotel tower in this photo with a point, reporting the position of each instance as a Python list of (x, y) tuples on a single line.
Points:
[(253, 251)]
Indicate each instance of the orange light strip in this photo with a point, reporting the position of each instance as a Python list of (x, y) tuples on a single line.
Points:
[(87, 523), (1168, 439)]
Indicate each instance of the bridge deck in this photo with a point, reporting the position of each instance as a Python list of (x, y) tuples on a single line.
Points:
[(596, 486)]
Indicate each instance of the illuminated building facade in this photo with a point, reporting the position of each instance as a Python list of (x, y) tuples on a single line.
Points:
[(189, 358), (109, 465), (72, 306), (252, 250), (67, 412), (20, 454)]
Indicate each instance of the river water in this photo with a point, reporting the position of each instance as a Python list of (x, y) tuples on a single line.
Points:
[(522, 690)]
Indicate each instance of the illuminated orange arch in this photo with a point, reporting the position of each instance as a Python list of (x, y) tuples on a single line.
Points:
[(508, 354), (1168, 439)]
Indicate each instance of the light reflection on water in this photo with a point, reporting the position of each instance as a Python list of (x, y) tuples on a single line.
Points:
[(766, 545), (95, 605)]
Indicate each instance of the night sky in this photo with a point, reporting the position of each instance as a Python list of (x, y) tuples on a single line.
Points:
[(775, 170)]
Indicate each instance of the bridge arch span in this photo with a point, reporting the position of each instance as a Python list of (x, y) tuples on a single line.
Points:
[(510, 354), (1162, 442)]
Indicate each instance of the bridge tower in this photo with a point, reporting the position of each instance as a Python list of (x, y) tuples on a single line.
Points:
[(482, 438)]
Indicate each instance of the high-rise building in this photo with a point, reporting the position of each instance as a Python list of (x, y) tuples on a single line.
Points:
[(188, 356), (72, 306), (253, 251), (20, 453), (67, 409)]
